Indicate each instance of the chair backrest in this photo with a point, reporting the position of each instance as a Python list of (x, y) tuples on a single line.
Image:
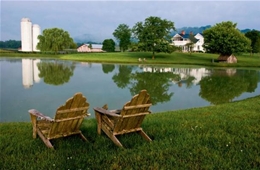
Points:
[(69, 117), (133, 113)]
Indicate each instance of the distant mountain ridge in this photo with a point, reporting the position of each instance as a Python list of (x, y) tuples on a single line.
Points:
[(89, 38), (196, 30)]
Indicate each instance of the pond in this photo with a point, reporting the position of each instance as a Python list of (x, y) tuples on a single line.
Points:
[(46, 84)]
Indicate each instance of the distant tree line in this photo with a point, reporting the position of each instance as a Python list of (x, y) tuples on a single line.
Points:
[(254, 36), (10, 44), (154, 35), (196, 30)]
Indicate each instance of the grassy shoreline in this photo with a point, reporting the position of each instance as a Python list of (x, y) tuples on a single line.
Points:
[(201, 59), (214, 137)]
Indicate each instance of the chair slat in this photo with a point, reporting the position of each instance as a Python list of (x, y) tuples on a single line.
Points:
[(67, 121), (128, 120)]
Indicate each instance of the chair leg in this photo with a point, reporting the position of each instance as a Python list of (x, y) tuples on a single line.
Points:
[(144, 135), (98, 118), (46, 141), (116, 141), (112, 137), (33, 119), (83, 137)]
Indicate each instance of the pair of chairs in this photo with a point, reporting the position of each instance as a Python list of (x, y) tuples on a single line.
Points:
[(70, 116)]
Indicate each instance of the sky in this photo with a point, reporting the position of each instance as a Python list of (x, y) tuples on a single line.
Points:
[(98, 19)]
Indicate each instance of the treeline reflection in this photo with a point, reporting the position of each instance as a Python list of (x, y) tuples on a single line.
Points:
[(216, 85), (53, 72), (56, 72)]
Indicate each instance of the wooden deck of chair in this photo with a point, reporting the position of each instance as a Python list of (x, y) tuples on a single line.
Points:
[(126, 120), (67, 121)]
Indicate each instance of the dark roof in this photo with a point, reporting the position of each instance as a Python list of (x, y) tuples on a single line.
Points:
[(189, 36), (185, 35)]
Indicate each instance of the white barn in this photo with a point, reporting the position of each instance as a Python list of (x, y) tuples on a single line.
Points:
[(86, 48)]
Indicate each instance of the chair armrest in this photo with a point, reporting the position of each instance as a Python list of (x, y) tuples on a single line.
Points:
[(38, 114), (113, 113)]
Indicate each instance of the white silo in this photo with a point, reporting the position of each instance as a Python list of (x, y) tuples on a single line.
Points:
[(26, 34), (36, 30)]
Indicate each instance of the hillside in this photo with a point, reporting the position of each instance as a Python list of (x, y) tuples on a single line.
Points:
[(86, 38)]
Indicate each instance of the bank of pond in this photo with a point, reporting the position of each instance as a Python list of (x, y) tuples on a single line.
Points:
[(224, 136)]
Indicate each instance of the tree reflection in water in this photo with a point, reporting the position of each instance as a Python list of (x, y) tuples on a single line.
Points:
[(107, 68), (223, 86), (55, 73), (216, 86), (123, 77), (155, 82)]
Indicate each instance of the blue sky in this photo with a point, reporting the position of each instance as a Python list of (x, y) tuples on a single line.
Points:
[(98, 19)]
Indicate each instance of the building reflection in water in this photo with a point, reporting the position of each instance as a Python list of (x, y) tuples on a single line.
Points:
[(30, 72), (197, 73), (184, 73)]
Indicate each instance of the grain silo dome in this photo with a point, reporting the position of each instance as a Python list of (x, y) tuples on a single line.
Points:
[(25, 20), (36, 25)]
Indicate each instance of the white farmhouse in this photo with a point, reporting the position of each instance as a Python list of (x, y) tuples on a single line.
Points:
[(183, 40)]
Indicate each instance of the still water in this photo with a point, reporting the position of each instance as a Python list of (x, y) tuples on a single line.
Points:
[(46, 84)]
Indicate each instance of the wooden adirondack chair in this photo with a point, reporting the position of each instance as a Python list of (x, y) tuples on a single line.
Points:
[(127, 120), (67, 121)]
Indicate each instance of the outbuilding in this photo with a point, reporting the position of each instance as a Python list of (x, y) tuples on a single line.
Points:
[(227, 59), (90, 48)]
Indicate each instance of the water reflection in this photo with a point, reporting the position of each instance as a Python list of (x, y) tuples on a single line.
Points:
[(30, 72), (223, 86), (123, 77), (56, 72), (170, 87), (216, 85), (107, 68)]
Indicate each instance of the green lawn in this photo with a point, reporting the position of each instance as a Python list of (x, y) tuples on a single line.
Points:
[(205, 59), (225, 136)]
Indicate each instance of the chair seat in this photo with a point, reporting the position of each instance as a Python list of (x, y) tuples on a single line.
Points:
[(67, 121), (126, 120)]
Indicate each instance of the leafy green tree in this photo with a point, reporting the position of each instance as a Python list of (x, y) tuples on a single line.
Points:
[(193, 41), (257, 45), (108, 45), (254, 36), (165, 47), (55, 39), (123, 35), (190, 46), (153, 32), (225, 39), (90, 46)]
